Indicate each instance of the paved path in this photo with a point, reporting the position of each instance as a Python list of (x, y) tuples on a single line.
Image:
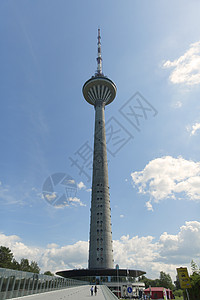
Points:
[(74, 293)]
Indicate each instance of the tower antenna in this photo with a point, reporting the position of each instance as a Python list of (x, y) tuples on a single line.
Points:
[(99, 58)]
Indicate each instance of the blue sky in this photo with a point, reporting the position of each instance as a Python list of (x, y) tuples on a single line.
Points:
[(151, 50)]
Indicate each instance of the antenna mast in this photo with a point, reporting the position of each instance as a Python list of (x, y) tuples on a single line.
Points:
[(99, 59)]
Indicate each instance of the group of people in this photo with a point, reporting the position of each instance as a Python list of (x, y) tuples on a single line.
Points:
[(93, 290)]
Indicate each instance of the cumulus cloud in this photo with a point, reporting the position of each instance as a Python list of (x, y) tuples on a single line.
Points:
[(149, 205), (81, 185), (177, 248), (193, 129), (75, 201), (166, 254), (53, 257), (169, 177), (186, 67), (142, 253)]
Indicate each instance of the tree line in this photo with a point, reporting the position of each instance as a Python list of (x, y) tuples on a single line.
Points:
[(8, 261)]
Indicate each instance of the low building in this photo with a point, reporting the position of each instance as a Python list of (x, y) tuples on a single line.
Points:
[(158, 293)]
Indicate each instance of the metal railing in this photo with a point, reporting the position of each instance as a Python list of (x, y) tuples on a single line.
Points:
[(15, 284), (108, 295)]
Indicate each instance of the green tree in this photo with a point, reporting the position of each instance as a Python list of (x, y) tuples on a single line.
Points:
[(24, 265), (15, 265), (48, 273), (34, 268), (194, 292), (194, 267), (29, 267), (166, 281), (6, 257), (178, 293), (146, 281)]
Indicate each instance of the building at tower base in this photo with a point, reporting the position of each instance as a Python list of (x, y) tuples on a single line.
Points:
[(122, 282)]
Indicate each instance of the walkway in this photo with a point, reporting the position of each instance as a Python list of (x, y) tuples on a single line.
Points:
[(74, 293)]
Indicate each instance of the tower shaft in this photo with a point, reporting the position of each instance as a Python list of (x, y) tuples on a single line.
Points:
[(100, 249), (100, 91)]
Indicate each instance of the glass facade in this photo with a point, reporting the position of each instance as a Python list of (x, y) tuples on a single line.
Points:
[(105, 279), (18, 283)]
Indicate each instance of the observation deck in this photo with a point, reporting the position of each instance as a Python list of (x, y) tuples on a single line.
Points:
[(99, 88)]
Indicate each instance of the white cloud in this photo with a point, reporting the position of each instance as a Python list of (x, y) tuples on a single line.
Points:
[(121, 216), (169, 177), (186, 67), (168, 253), (142, 253), (194, 128), (75, 201), (51, 197), (81, 185), (52, 258), (178, 104), (52, 245), (149, 205)]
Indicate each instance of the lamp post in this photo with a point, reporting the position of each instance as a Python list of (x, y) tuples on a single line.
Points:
[(117, 268)]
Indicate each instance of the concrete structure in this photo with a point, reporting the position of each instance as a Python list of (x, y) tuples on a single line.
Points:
[(99, 91)]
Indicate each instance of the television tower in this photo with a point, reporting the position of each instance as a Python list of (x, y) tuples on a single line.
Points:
[(100, 91)]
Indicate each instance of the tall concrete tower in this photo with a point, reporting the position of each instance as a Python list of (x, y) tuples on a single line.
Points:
[(100, 91)]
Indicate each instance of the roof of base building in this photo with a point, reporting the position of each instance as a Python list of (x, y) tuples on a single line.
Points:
[(100, 272), (156, 289)]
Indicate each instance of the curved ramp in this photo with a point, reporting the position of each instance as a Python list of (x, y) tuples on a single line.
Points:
[(74, 293)]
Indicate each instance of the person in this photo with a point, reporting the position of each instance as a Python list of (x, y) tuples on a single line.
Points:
[(95, 290), (91, 290)]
